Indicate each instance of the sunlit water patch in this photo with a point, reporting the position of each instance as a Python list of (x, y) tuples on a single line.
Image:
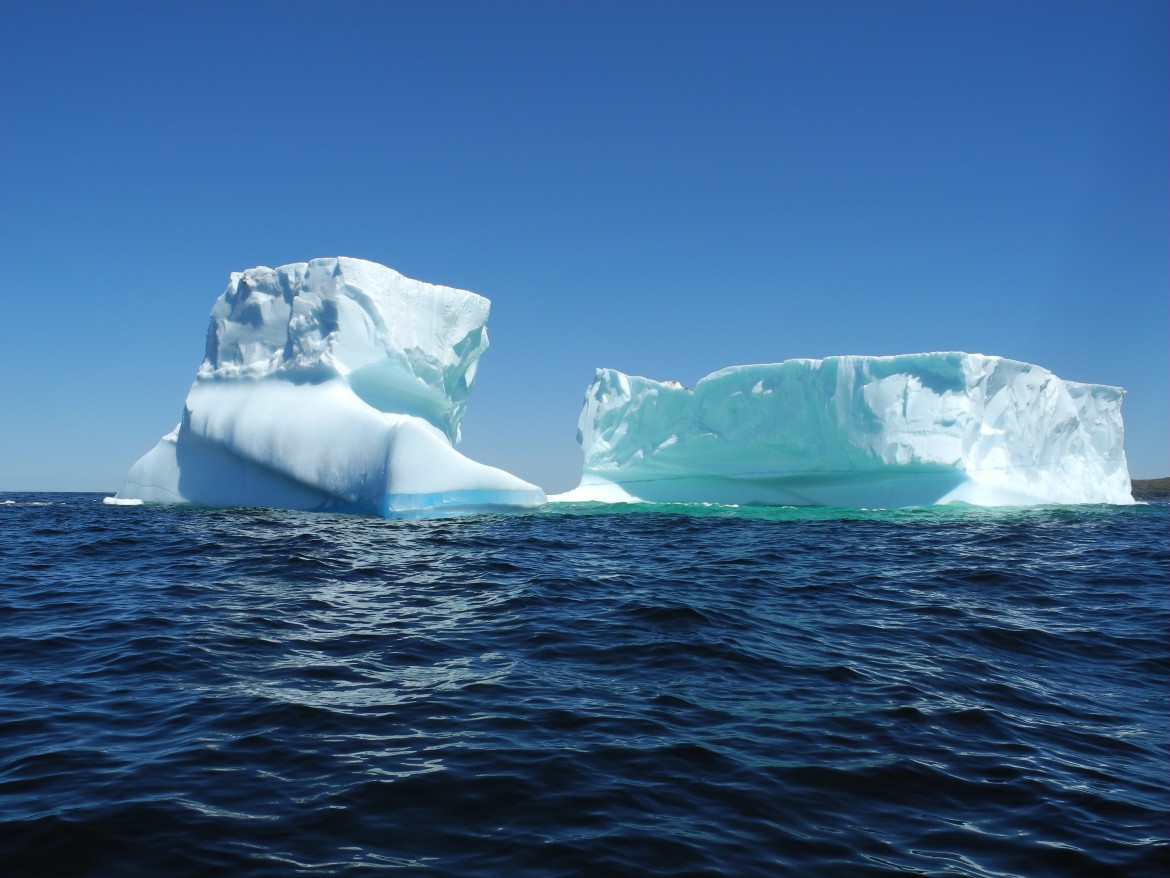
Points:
[(675, 690)]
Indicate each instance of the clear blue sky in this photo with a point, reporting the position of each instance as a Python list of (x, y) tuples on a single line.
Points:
[(666, 188)]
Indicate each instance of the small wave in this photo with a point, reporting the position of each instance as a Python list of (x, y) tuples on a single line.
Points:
[(680, 691)]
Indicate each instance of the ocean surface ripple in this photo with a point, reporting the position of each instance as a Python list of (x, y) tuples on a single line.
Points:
[(585, 690)]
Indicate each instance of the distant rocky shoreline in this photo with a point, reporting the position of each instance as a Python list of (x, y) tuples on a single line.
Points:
[(1151, 489)]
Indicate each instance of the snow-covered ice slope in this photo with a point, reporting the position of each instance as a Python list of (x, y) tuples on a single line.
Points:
[(855, 431), (336, 384)]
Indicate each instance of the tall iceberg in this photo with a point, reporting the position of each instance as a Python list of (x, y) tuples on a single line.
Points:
[(332, 385), (907, 430)]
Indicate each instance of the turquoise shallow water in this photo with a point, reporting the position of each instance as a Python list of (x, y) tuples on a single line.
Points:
[(672, 690)]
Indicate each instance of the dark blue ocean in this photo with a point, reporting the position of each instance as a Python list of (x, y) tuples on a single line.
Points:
[(661, 691)]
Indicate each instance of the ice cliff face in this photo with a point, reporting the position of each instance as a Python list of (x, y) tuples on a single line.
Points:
[(855, 431), (336, 384)]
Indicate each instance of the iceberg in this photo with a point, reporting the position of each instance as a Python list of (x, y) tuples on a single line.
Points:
[(910, 430), (332, 385)]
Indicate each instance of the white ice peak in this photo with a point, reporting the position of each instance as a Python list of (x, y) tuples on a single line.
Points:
[(402, 345), (336, 384), (855, 431)]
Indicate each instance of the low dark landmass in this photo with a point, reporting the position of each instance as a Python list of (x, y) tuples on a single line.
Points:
[(1151, 489)]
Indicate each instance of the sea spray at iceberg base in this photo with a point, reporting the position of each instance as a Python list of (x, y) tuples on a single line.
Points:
[(908, 430), (333, 385)]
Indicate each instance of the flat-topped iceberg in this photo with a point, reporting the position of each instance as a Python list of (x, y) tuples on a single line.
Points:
[(332, 385), (895, 431)]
